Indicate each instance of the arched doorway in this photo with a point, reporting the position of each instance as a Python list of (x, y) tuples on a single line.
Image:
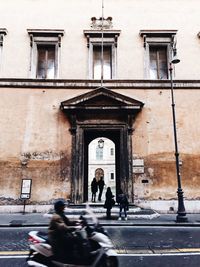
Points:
[(101, 163), (113, 141)]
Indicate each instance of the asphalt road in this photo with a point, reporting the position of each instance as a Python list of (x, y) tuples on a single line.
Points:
[(184, 260), (136, 246)]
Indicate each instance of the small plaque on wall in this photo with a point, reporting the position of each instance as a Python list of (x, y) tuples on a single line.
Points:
[(138, 166), (138, 169)]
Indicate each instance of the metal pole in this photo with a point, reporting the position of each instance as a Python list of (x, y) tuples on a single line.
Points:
[(102, 61), (24, 207), (181, 213)]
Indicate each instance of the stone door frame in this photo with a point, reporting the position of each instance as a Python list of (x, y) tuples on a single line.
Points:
[(123, 144), (104, 113)]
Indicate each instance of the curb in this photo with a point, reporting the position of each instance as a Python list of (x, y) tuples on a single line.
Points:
[(125, 224)]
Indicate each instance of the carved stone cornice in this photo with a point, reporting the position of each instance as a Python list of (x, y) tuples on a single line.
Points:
[(96, 35), (37, 34), (160, 36)]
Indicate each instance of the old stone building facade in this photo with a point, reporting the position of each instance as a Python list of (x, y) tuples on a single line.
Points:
[(54, 100)]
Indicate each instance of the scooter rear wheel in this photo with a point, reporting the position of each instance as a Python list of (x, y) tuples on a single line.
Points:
[(38, 258)]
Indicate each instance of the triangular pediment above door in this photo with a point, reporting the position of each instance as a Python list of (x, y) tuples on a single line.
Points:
[(102, 99)]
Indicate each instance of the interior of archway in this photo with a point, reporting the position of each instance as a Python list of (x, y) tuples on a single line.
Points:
[(102, 163)]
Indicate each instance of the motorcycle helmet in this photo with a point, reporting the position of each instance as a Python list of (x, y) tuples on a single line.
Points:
[(58, 205)]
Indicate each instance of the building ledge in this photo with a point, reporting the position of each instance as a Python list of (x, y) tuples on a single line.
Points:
[(94, 84)]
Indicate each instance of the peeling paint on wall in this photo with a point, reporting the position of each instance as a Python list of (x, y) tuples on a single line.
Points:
[(159, 182), (50, 174)]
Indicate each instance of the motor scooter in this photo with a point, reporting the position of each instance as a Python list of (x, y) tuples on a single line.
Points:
[(101, 252)]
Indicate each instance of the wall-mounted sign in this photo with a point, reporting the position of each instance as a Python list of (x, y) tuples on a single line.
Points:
[(26, 188)]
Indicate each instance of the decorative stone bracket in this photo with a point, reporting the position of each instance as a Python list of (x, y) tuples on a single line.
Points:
[(99, 24)]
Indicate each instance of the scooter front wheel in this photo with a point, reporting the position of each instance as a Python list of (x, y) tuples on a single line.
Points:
[(111, 261)]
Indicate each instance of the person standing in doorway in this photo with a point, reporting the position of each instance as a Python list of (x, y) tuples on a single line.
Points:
[(109, 203), (101, 186), (123, 204), (94, 189)]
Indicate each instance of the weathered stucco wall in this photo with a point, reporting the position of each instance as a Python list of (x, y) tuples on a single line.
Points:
[(36, 143), (153, 141)]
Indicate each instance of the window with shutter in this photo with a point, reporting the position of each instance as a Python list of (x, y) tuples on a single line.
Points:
[(158, 50), (46, 62), (158, 63), (104, 57), (45, 53), (107, 57)]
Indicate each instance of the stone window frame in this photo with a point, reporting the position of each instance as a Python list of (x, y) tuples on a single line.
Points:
[(3, 32), (157, 38), (44, 37), (110, 38)]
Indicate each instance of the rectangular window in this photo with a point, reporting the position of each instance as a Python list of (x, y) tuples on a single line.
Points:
[(45, 53), (158, 49), (95, 41), (46, 62), (104, 58), (158, 63), (112, 151), (99, 153), (112, 176), (3, 32)]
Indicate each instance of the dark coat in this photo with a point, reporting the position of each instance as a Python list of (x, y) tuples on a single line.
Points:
[(94, 186), (109, 203), (122, 200), (101, 184), (60, 234)]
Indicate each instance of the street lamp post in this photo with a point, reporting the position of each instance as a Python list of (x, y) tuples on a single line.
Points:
[(181, 213)]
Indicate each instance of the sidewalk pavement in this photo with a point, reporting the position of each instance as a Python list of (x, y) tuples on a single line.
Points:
[(39, 220)]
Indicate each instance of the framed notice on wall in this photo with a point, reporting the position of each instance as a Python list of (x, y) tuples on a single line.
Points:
[(26, 188)]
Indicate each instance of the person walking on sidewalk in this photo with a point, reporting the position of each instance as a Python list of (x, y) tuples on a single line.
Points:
[(109, 203), (101, 186), (94, 189), (123, 204)]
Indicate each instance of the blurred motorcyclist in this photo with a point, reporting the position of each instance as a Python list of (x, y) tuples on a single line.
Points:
[(60, 233)]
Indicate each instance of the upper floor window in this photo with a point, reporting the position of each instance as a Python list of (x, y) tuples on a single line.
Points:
[(112, 151), (102, 48), (45, 53), (46, 62), (99, 153), (158, 47), (3, 32), (102, 57), (158, 62)]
